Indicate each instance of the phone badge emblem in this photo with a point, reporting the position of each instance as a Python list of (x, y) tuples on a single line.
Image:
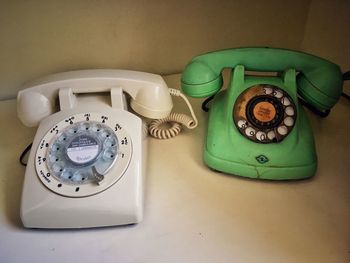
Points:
[(262, 159)]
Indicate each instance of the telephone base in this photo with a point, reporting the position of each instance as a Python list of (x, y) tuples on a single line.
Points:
[(227, 150), (48, 202), (58, 212)]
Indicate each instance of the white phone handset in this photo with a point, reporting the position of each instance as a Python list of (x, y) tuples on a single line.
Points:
[(149, 93)]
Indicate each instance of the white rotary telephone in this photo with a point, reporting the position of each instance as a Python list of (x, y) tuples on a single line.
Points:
[(87, 162)]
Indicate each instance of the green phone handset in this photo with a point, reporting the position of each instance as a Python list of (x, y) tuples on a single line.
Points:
[(257, 128)]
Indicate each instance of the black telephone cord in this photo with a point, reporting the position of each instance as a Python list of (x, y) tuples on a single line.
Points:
[(322, 114), (346, 76), (206, 102), (346, 96), (24, 153)]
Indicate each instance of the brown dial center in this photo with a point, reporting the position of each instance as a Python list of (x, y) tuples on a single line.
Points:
[(264, 111)]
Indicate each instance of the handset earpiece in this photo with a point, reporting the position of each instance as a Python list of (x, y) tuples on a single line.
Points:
[(322, 86), (143, 106), (32, 107), (151, 100), (200, 80)]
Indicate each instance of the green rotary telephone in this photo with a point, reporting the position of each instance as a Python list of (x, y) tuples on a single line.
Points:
[(257, 128)]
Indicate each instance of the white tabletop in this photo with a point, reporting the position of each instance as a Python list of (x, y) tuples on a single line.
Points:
[(193, 214)]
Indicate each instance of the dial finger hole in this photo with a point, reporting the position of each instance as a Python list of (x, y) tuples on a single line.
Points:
[(278, 94), (96, 127), (104, 134), (66, 175), (58, 168), (249, 131), (242, 124), (55, 147), (110, 142), (53, 158), (289, 121), (289, 111), (261, 135), (77, 176), (268, 90), (73, 130), (85, 126), (81, 176), (109, 154), (271, 135), (283, 130), (62, 138), (285, 101)]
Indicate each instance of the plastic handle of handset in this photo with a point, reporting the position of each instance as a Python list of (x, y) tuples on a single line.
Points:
[(319, 81), (32, 107), (149, 93)]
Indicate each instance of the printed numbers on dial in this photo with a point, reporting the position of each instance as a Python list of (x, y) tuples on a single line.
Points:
[(87, 116)]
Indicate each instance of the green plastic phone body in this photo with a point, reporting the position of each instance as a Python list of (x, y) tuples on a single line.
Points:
[(257, 128)]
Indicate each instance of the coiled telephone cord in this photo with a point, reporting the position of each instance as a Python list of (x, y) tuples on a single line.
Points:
[(175, 120)]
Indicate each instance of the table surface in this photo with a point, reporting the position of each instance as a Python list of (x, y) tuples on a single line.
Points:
[(193, 214)]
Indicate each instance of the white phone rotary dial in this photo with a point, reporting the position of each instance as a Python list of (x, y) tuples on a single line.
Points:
[(83, 155)]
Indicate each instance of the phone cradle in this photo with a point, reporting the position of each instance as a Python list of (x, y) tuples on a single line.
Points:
[(256, 130)]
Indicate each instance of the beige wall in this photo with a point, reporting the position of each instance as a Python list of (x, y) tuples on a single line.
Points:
[(327, 32), (42, 37)]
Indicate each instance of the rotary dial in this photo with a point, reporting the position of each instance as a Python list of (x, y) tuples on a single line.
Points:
[(264, 113), (82, 155)]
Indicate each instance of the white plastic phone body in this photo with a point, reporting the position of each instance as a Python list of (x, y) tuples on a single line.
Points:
[(103, 189)]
